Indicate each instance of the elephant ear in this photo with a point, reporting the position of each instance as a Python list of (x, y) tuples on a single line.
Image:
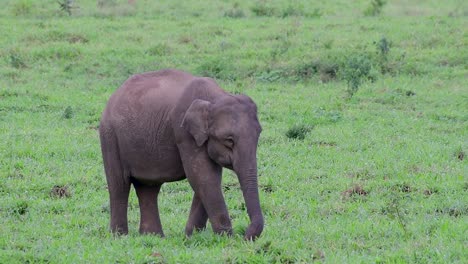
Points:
[(195, 120)]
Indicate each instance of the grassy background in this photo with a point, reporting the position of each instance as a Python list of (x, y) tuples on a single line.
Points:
[(371, 173)]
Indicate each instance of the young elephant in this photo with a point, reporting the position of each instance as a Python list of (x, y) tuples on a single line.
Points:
[(167, 126)]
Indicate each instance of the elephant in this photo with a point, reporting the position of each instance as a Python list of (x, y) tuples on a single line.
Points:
[(170, 125)]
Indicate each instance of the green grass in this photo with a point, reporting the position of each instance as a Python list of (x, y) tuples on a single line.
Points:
[(379, 175)]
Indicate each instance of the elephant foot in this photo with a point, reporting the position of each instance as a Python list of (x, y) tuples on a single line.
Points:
[(254, 230), (119, 230)]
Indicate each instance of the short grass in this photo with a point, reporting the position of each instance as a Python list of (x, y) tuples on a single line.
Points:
[(375, 172)]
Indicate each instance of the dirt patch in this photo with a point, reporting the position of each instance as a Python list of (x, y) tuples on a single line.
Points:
[(403, 187), (324, 144), (461, 155), (429, 192), (454, 211), (60, 192), (318, 255), (410, 93), (268, 188), (156, 254), (77, 39), (356, 190)]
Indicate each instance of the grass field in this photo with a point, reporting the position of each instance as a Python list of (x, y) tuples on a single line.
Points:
[(364, 111)]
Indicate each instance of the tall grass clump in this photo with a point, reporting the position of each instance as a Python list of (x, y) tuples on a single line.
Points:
[(22, 7), (262, 9), (218, 68), (383, 49), (375, 7), (17, 61), (235, 12), (66, 6), (298, 131)]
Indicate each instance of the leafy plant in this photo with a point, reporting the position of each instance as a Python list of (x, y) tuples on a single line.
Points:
[(298, 131), (293, 10), (261, 9), (234, 13), (280, 48), (159, 50), (16, 61), (383, 49), (218, 68), (68, 112), (396, 211), (357, 68), (375, 7), (22, 7), (66, 6), (20, 208)]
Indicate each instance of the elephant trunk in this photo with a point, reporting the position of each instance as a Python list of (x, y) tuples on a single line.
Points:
[(246, 170)]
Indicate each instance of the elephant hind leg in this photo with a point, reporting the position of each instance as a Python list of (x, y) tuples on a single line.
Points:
[(150, 223), (118, 183), (198, 216)]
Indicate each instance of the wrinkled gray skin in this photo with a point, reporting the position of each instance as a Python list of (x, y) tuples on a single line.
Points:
[(167, 126)]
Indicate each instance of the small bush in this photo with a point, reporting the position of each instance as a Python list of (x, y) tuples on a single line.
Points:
[(234, 13), (271, 75), (375, 7), (357, 68), (327, 70), (383, 49), (20, 208), (261, 9), (316, 13), (22, 7), (68, 113), (460, 154), (16, 61), (66, 6), (158, 50), (280, 48), (298, 131), (293, 10), (217, 68), (106, 3)]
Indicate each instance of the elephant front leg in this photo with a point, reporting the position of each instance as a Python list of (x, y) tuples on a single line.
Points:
[(205, 178), (150, 223), (207, 186), (198, 216)]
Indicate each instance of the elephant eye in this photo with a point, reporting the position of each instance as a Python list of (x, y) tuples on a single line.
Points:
[(229, 142)]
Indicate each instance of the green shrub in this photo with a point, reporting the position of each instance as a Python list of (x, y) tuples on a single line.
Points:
[(68, 112), (383, 49), (375, 7), (158, 50), (234, 13), (20, 208), (293, 10), (357, 68), (66, 6), (22, 7), (16, 61), (217, 68), (298, 131), (261, 9)]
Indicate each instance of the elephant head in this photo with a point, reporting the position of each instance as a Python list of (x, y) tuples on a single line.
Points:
[(230, 129)]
